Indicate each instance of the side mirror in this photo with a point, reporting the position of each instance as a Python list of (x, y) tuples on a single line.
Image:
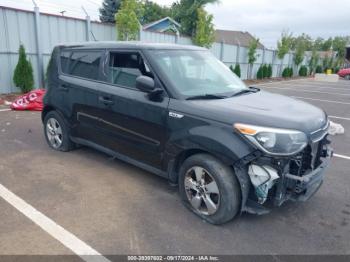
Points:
[(145, 84)]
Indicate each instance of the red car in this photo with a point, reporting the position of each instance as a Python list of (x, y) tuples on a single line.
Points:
[(345, 72)]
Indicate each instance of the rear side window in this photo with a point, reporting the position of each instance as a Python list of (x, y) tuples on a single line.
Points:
[(81, 63), (124, 68)]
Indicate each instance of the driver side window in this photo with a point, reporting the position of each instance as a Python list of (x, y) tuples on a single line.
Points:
[(124, 68)]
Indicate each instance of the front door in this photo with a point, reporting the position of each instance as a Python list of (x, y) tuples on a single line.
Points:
[(132, 124)]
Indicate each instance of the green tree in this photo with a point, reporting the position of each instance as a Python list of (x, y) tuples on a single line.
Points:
[(269, 71), (313, 62), (300, 48), (153, 12), (127, 23), (318, 69), (185, 12), (303, 71), (108, 10), (236, 70), (283, 46), (327, 44), (205, 33), (290, 72), (260, 73), (23, 75), (303, 38), (326, 63), (252, 56), (265, 71), (339, 46), (285, 72), (318, 43)]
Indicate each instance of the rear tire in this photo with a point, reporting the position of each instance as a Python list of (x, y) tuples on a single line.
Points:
[(209, 188), (57, 132)]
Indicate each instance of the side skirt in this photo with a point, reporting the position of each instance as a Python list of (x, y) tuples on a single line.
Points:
[(122, 157)]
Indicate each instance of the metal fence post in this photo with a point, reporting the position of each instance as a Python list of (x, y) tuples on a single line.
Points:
[(222, 47), (177, 36), (88, 28), (38, 47), (88, 24), (263, 56)]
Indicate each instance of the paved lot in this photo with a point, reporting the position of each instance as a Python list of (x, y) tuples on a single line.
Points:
[(116, 208)]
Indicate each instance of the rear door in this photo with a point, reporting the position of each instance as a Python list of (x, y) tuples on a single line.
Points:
[(79, 80)]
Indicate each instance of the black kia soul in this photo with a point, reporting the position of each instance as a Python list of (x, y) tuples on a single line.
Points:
[(178, 112)]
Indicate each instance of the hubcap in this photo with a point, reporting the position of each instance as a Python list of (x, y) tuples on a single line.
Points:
[(54, 132), (202, 191)]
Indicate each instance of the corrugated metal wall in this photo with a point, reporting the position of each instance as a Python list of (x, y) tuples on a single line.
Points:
[(18, 26)]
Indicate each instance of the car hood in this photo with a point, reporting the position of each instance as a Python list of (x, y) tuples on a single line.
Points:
[(261, 108)]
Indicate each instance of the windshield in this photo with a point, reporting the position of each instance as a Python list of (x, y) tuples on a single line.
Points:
[(196, 73)]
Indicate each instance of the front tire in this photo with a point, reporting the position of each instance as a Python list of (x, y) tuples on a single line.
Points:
[(209, 188), (57, 132)]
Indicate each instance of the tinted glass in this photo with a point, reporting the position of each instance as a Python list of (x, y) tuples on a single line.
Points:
[(64, 61), (124, 68), (81, 64)]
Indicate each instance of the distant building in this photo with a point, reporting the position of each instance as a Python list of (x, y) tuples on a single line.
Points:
[(323, 54), (166, 24), (235, 38)]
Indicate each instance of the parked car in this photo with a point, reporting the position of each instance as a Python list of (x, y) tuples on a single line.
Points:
[(345, 72), (180, 113)]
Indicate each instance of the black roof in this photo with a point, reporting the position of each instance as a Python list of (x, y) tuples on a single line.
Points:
[(129, 45)]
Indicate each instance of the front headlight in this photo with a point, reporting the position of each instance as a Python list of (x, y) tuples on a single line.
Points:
[(274, 141)]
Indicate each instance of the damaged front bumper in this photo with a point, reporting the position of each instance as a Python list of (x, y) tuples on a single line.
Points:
[(298, 179), (301, 188)]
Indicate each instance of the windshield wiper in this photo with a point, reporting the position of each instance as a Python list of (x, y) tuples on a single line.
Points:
[(244, 91), (206, 96)]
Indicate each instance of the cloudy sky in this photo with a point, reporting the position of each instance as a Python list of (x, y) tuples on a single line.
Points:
[(263, 18)]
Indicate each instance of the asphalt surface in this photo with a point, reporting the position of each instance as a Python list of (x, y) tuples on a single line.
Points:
[(117, 208)]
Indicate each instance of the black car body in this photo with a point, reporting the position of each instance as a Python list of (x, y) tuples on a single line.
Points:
[(120, 99)]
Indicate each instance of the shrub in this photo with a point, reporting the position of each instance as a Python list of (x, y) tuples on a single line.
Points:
[(264, 71), (290, 72), (231, 68), (259, 74), (319, 69), (269, 71), (303, 71), (287, 72), (23, 75), (236, 70), (336, 69)]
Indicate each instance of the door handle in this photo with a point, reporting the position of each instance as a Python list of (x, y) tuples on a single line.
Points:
[(105, 100), (64, 87)]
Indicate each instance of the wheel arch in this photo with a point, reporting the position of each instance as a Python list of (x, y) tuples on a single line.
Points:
[(46, 109)]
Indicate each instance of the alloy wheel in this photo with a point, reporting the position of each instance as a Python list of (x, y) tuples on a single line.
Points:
[(54, 132), (202, 190)]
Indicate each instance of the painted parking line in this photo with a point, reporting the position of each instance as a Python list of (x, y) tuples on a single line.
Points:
[(340, 117), (342, 156), (6, 109), (322, 100), (308, 91), (307, 85), (69, 240)]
